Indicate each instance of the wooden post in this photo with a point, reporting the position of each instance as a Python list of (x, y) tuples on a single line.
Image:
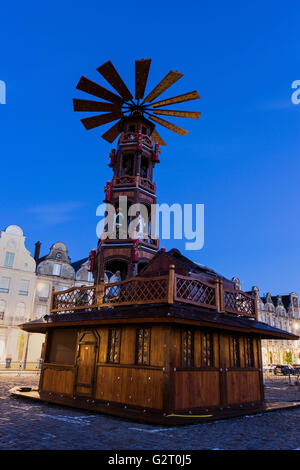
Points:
[(171, 284), (255, 305), (219, 295), (100, 289), (52, 300)]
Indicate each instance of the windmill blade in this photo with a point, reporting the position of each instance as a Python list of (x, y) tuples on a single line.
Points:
[(192, 95), (93, 106), (169, 125), (95, 121), (157, 138), (184, 114), (165, 83), (142, 68), (112, 133), (93, 88), (110, 74)]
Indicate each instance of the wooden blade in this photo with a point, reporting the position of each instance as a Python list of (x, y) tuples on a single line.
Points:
[(95, 121), (165, 83), (88, 105), (193, 95), (110, 74), (112, 133), (157, 138), (142, 68), (169, 125), (93, 88), (185, 114)]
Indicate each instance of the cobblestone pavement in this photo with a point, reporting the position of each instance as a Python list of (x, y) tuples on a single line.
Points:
[(26, 424)]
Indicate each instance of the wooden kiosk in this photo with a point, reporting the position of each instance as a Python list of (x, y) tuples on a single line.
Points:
[(158, 338)]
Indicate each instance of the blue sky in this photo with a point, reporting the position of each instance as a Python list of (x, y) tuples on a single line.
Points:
[(241, 159)]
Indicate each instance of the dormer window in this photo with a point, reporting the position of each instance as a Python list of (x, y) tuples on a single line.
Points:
[(56, 269), (9, 259)]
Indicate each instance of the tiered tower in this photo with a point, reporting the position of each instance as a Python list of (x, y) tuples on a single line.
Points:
[(122, 254), (133, 163)]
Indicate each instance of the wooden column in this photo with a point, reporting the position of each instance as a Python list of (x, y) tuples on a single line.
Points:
[(171, 284), (100, 292)]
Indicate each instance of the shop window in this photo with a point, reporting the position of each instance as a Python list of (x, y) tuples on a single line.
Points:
[(235, 351), (114, 344), (207, 349), (249, 353), (143, 346), (187, 348)]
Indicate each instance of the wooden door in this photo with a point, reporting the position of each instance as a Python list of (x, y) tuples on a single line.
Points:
[(85, 363)]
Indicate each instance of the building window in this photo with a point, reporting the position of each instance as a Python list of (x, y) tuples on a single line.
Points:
[(43, 290), (41, 310), (207, 349), (249, 354), (114, 343), (20, 314), (142, 354), (9, 259), (24, 287), (2, 309), (4, 284), (234, 351), (90, 277), (56, 269), (187, 348)]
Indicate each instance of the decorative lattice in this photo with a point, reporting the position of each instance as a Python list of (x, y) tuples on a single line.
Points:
[(240, 303), (136, 291), (74, 299), (194, 291)]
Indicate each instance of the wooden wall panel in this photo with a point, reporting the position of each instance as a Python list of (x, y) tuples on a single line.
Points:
[(243, 386), (197, 349), (127, 351), (176, 347), (58, 380), (195, 389), (103, 334), (140, 387), (157, 348)]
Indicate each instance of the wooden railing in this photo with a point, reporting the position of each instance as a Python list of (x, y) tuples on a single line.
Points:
[(128, 180), (169, 288)]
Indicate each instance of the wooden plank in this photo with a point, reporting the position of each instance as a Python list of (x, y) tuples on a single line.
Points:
[(243, 386), (197, 389)]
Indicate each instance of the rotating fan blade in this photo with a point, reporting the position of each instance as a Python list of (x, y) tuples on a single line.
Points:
[(142, 68), (110, 74), (112, 133), (93, 88), (185, 114), (169, 125), (165, 83), (88, 105), (95, 121), (193, 95), (157, 138)]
